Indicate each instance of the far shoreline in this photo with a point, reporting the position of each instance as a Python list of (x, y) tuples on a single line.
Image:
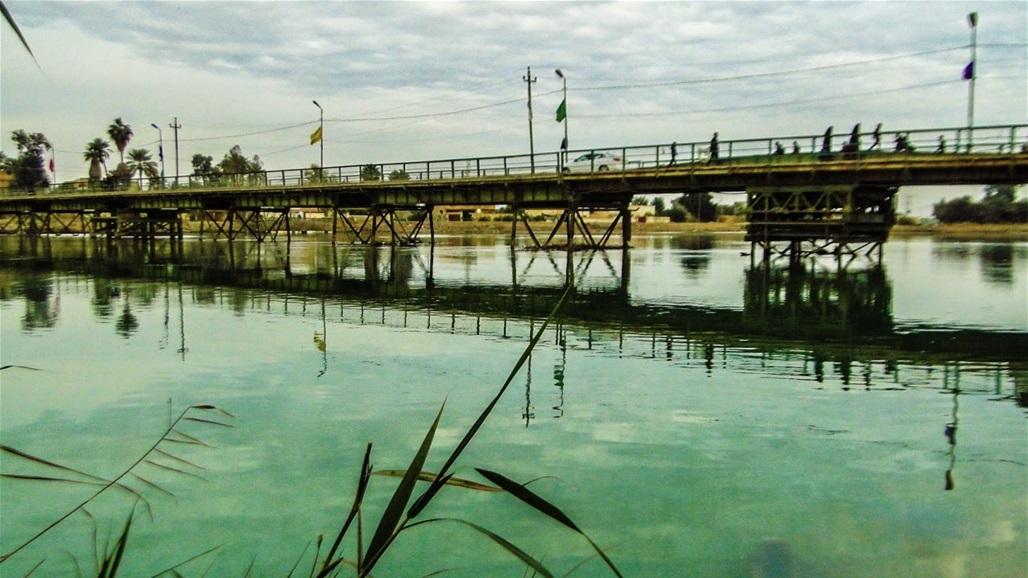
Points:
[(956, 231)]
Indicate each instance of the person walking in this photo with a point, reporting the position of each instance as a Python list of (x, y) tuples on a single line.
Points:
[(714, 150), (877, 136), (674, 153)]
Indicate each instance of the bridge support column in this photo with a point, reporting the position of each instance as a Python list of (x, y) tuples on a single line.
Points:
[(258, 224), (838, 220), (385, 217), (574, 221)]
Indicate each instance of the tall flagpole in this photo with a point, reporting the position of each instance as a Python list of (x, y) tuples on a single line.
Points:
[(972, 20), (321, 130)]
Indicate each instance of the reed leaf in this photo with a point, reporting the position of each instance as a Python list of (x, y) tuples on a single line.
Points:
[(362, 486), (112, 560), (41, 461), (532, 499), (390, 523), (171, 469), (116, 482), (298, 560), (174, 569), (178, 459), (506, 544), (19, 366), (450, 481), (49, 479), (150, 484), (433, 489), (187, 439), (210, 421)]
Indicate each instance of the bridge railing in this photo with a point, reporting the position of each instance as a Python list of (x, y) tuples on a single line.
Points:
[(997, 139)]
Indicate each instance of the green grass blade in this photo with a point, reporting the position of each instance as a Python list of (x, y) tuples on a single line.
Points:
[(507, 545), (362, 486), (174, 569), (532, 499), (425, 498), (113, 561), (10, 20), (450, 481), (388, 526), (529, 497)]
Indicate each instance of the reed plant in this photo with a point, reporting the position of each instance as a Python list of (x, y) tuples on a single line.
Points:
[(405, 510)]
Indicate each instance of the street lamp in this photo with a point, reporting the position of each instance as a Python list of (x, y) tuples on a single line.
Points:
[(160, 149), (321, 134), (563, 111)]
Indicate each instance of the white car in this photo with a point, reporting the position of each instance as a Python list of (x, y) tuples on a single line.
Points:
[(595, 161)]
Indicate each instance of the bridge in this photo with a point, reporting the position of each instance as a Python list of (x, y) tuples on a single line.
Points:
[(814, 198)]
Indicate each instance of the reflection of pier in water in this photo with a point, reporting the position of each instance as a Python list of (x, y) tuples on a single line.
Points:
[(802, 321)]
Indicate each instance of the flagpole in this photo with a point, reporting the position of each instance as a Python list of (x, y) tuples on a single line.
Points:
[(160, 149), (560, 73), (972, 19), (321, 134)]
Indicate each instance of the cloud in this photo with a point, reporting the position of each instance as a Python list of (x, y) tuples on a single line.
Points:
[(637, 73)]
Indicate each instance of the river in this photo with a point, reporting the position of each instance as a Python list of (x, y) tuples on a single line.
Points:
[(694, 412)]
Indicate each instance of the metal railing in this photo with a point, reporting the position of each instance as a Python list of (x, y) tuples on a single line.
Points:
[(806, 148)]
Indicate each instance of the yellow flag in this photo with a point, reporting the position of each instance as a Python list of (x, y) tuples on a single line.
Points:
[(316, 136)]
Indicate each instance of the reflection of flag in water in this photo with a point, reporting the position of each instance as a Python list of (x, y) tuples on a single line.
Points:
[(319, 341), (968, 71)]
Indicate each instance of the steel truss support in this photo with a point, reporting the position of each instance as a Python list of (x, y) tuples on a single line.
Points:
[(10, 223), (573, 221), (800, 222), (148, 224), (258, 224), (35, 223), (383, 218)]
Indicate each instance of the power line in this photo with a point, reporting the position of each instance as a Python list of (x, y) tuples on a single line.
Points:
[(766, 74), (770, 104)]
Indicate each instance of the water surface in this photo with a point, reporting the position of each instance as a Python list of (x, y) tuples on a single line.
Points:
[(694, 411)]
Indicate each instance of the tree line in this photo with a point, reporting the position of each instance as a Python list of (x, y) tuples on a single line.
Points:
[(29, 170), (999, 205)]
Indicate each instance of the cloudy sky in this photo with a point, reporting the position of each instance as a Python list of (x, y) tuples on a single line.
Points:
[(430, 80)]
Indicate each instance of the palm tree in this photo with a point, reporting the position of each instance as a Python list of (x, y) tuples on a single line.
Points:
[(97, 153), (120, 134), (141, 163)]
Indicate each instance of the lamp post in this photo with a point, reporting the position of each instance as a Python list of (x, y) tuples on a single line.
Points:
[(160, 149), (971, 74), (321, 135), (564, 108)]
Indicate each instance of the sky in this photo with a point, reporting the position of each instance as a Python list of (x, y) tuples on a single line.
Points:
[(408, 81)]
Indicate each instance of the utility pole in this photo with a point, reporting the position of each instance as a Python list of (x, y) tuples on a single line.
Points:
[(175, 125), (531, 140)]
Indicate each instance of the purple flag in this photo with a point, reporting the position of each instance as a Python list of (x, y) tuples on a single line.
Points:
[(969, 71)]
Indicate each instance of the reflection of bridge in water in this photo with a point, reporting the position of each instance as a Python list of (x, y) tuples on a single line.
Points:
[(815, 324)]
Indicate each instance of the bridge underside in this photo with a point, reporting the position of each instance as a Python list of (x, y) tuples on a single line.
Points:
[(797, 222)]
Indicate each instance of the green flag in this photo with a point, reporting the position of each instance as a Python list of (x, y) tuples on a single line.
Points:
[(562, 110)]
